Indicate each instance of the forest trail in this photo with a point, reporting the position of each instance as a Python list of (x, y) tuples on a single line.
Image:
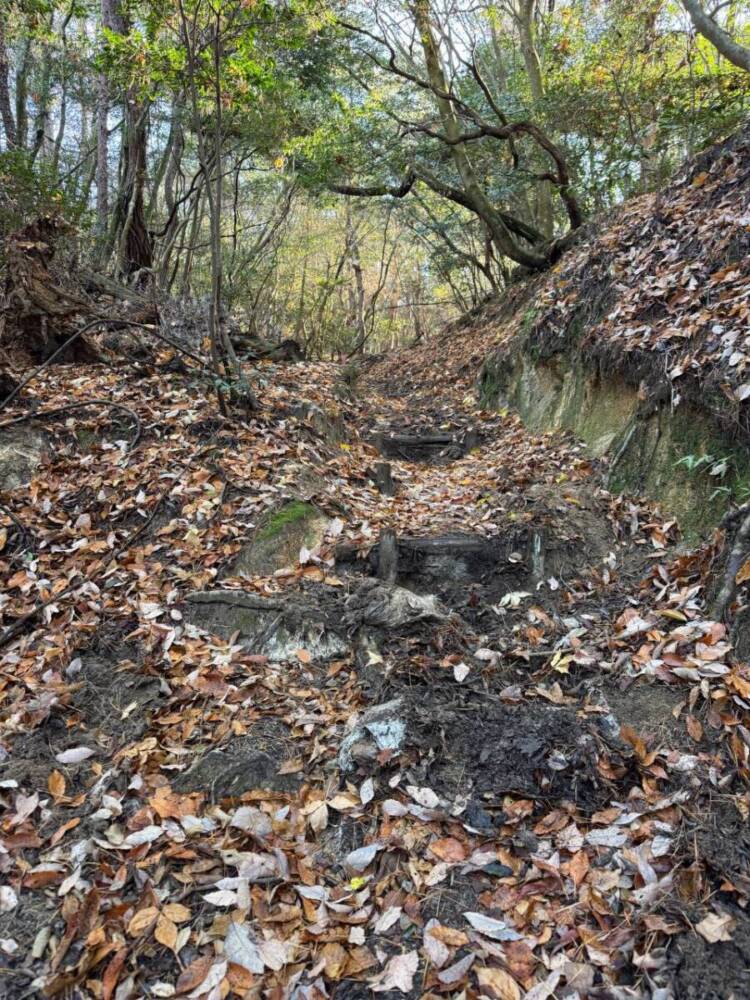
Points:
[(472, 735)]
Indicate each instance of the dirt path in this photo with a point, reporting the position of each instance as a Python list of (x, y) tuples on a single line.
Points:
[(475, 734)]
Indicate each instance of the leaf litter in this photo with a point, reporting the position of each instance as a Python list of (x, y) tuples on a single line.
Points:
[(531, 827)]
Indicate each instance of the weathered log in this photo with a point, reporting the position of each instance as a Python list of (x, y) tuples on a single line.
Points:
[(382, 477), (416, 447), (388, 556)]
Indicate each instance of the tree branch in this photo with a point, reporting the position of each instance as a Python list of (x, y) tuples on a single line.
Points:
[(705, 25)]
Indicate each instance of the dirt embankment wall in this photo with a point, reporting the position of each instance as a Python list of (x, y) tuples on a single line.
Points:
[(639, 342)]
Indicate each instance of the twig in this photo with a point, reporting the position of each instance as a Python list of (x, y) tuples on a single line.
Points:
[(41, 414)]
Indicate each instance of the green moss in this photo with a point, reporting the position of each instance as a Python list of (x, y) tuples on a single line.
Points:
[(290, 513)]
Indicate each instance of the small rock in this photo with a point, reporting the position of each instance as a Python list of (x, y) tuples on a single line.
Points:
[(279, 537), (380, 728)]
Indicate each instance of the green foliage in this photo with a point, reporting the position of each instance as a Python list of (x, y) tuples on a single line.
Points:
[(28, 190), (290, 513)]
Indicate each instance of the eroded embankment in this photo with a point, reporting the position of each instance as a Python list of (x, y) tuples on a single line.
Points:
[(638, 342)]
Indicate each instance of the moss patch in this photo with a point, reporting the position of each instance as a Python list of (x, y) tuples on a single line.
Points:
[(279, 538), (290, 513)]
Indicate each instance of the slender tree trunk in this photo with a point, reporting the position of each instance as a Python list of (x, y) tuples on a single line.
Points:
[(22, 93), (102, 155), (135, 251), (6, 112), (111, 20), (41, 119), (545, 217), (357, 293), (61, 123)]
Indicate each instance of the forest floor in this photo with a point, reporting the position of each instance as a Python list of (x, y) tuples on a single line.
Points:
[(476, 738)]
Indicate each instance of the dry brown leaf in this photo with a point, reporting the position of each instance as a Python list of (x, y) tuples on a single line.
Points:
[(336, 958), (450, 936), (498, 984), (194, 974), (578, 866), (166, 932), (716, 927), (291, 766), (176, 912), (142, 920), (56, 784), (694, 728), (743, 573), (448, 849), (112, 973)]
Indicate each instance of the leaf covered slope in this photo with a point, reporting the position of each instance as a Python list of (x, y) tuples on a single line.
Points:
[(520, 770)]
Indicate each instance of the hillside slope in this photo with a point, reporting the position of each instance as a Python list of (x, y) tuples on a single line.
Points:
[(375, 690)]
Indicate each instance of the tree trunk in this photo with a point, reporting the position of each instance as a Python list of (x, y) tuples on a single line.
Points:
[(129, 231), (102, 155), (22, 73), (475, 196), (6, 112), (357, 293), (112, 20), (545, 217), (135, 251), (41, 119)]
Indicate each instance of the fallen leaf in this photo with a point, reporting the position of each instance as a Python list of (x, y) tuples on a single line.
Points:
[(457, 972), (145, 836), (367, 791), (436, 950), (387, 919), (166, 932), (194, 974), (363, 856), (240, 948), (142, 920), (213, 978), (498, 984), (74, 756), (56, 784), (743, 573), (716, 927), (498, 930), (694, 728), (8, 899), (176, 912), (398, 974), (461, 671), (335, 958), (424, 796), (448, 849)]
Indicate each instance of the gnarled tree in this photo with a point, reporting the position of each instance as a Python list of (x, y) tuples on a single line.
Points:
[(457, 122)]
